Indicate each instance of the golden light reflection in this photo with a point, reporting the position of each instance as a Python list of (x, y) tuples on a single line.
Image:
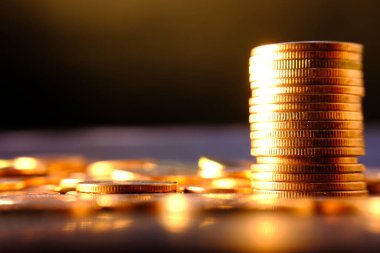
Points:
[(208, 221), (175, 213), (69, 183), (6, 202), (25, 163), (267, 233), (209, 168), (100, 169), (99, 224), (224, 183), (371, 213), (123, 175), (5, 163)]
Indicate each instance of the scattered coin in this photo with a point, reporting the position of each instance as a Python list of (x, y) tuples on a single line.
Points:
[(126, 186)]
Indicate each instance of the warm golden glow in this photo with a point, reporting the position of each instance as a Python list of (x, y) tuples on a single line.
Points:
[(175, 213), (4, 163), (209, 168), (224, 183), (267, 234), (25, 163), (370, 211), (123, 175), (207, 222), (6, 202), (100, 169), (68, 183)]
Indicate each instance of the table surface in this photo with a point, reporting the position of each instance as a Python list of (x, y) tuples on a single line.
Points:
[(222, 231)]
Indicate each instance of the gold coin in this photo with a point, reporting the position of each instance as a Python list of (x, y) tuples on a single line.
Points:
[(307, 134), (126, 186), (307, 160), (263, 64), (311, 142), (315, 194), (302, 81), (257, 74), (308, 46), (297, 186), (307, 125), (314, 89), (336, 151), (305, 107), (11, 184), (277, 177), (309, 98), (289, 55), (300, 116), (308, 168)]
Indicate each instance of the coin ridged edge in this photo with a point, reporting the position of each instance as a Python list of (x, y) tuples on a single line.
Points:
[(308, 168)]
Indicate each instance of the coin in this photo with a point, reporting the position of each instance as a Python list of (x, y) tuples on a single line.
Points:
[(126, 186), (308, 46), (307, 125), (283, 134), (341, 151), (264, 64), (308, 168), (289, 55), (312, 80), (310, 72), (11, 184), (308, 142), (314, 89), (297, 186), (305, 107), (277, 177), (300, 116), (314, 194), (307, 160), (308, 98)]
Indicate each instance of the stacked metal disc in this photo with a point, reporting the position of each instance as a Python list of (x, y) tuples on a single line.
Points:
[(306, 119)]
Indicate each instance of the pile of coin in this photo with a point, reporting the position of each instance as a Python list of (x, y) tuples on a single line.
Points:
[(306, 119)]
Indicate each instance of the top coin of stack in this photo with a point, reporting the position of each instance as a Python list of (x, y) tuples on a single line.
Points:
[(306, 119)]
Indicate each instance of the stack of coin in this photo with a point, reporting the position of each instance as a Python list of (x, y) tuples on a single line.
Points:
[(306, 119)]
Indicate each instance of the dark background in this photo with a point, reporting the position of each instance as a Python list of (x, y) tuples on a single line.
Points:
[(70, 63)]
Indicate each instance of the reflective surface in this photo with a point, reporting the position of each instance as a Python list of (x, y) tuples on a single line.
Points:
[(48, 215)]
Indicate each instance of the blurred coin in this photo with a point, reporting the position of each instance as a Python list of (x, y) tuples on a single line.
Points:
[(313, 89), (309, 98), (307, 160), (307, 125), (326, 55), (306, 81), (314, 116), (306, 134), (126, 186), (289, 107), (307, 46), (311, 72), (308, 142), (283, 177), (341, 151), (314, 194), (297, 186), (9, 184), (263, 63), (308, 168)]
